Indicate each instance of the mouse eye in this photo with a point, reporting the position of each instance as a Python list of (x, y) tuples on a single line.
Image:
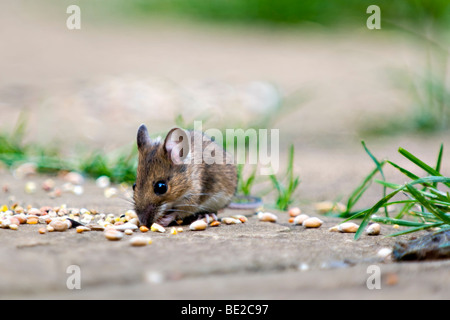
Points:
[(160, 188)]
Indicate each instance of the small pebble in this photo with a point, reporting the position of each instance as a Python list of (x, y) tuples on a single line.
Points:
[(198, 225), (128, 232), (312, 222), (348, 227), (300, 218)]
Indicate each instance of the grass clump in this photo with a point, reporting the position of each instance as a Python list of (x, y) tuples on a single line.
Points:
[(426, 203), (286, 190)]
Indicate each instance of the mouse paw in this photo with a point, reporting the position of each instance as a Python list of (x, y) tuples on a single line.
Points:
[(207, 217)]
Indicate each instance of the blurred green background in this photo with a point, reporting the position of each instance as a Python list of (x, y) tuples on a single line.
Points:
[(288, 12)]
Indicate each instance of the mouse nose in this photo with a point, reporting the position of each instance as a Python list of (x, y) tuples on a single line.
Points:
[(146, 215)]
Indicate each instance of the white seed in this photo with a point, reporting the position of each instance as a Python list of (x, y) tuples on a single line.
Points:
[(140, 241), (81, 229), (134, 221), (30, 187), (113, 234), (74, 178), (13, 226), (374, 229), (128, 232), (103, 182), (312, 222), (157, 228), (125, 226), (300, 218), (229, 220), (334, 229), (110, 192), (240, 217), (348, 227), (198, 225), (384, 252), (78, 190), (267, 216)]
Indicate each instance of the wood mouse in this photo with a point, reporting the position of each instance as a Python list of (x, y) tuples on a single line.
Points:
[(172, 184)]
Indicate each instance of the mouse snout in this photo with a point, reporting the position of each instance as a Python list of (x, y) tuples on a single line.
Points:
[(147, 215)]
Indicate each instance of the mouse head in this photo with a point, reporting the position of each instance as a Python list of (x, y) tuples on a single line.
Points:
[(162, 176)]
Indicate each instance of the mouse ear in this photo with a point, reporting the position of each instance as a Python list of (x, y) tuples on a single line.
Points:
[(143, 138), (176, 145)]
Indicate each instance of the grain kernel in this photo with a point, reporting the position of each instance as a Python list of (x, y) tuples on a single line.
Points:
[(112, 234), (13, 226), (295, 211), (373, 229), (140, 241), (59, 225), (267, 216), (143, 229), (214, 223), (157, 228), (42, 230), (229, 220), (348, 227), (32, 220), (198, 225), (312, 222), (300, 218)]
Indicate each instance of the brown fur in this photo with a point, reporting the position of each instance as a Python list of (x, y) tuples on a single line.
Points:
[(192, 188)]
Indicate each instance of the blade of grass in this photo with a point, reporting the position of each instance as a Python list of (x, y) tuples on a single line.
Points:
[(379, 167), (359, 191), (372, 210), (415, 229), (421, 164), (427, 204), (439, 162)]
